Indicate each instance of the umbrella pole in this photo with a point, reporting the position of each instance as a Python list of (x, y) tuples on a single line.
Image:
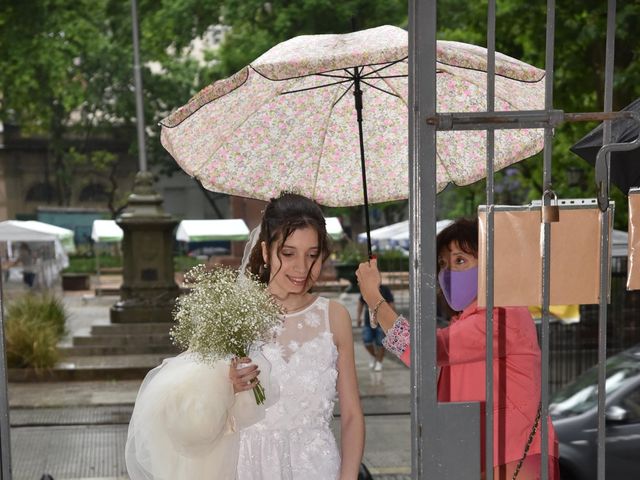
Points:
[(357, 94)]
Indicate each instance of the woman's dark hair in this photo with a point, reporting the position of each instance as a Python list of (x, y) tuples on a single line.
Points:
[(282, 216), (463, 231)]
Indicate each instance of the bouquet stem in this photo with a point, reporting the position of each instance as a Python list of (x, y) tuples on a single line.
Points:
[(259, 393)]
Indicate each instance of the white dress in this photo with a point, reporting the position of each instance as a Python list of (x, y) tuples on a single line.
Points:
[(294, 440)]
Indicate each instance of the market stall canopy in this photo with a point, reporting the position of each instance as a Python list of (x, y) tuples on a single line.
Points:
[(106, 231), (211, 230), (334, 228), (49, 261), (396, 234), (16, 231), (65, 235)]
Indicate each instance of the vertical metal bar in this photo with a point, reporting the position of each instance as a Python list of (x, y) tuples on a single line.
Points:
[(546, 251), (422, 208), (491, 70), (5, 432), (137, 76), (604, 244)]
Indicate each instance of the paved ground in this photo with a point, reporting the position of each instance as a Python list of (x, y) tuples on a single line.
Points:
[(77, 430)]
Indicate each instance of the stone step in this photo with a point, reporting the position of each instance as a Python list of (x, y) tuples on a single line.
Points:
[(131, 328), (89, 350), (86, 368), (115, 340)]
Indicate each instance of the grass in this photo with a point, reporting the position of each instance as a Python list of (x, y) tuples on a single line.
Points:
[(34, 324)]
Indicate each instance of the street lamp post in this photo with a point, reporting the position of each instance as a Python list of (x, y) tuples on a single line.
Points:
[(148, 290)]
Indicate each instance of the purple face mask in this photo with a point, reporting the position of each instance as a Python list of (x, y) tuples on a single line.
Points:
[(459, 288)]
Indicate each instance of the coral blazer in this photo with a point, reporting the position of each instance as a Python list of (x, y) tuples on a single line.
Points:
[(516, 373)]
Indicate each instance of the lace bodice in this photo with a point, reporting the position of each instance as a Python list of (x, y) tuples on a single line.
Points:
[(294, 441)]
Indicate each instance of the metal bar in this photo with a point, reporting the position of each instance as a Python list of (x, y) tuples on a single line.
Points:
[(517, 119), (137, 76), (546, 251), (422, 208), (5, 433), (491, 85), (604, 242)]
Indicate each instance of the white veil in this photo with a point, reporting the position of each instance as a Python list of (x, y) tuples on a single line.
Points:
[(186, 418)]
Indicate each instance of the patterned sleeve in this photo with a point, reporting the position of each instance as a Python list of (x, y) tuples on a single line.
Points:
[(397, 339)]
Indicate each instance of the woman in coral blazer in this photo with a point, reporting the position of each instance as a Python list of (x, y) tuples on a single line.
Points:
[(461, 354)]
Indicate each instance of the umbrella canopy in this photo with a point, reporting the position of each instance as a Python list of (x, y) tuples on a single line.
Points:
[(287, 121), (625, 166), (210, 230), (106, 231)]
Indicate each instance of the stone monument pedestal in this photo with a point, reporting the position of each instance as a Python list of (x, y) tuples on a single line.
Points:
[(148, 289)]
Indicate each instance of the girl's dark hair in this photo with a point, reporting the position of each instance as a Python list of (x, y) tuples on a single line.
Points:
[(464, 231), (282, 216)]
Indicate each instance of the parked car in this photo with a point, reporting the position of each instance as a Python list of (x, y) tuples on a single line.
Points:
[(573, 410)]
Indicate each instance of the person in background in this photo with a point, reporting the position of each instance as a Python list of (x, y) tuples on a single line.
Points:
[(27, 260), (372, 337)]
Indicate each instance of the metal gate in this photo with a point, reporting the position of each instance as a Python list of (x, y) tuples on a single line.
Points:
[(445, 436)]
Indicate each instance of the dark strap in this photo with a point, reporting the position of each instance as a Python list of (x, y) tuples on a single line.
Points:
[(529, 441)]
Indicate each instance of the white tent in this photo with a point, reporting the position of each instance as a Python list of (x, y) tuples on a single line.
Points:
[(210, 230), (334, 228), (106, 231), (64, 234), (50, 255), (395, 235)]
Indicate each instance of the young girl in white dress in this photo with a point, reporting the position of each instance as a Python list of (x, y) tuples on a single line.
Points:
[(194, 421), (311, 358)]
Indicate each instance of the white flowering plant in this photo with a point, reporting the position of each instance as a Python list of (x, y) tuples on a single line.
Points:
[(223, 315)]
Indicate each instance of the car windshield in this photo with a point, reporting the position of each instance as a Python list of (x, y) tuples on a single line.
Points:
[(582, 394)]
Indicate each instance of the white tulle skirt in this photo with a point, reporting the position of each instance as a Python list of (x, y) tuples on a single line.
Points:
[(186, 420)]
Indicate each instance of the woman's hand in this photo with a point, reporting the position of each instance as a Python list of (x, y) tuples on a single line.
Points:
[(243, 374), (369, 281)]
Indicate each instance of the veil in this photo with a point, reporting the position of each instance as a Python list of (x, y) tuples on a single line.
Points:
[(186, 417), (248, 248)]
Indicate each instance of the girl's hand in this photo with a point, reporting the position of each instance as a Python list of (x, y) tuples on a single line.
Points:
[(243, 374)]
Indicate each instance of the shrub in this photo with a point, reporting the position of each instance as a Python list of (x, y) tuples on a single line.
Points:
[(392, 261), (184, 263), (34, 325), (87, 264)]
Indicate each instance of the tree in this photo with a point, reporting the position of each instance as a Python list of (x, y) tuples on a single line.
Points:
[(579, 72)]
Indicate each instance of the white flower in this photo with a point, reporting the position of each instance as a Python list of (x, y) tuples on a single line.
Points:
[(313, 319)]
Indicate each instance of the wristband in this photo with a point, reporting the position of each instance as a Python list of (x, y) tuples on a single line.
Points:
[(373, 312)]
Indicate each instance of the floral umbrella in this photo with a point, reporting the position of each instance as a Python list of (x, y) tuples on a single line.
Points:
[(285, 122)]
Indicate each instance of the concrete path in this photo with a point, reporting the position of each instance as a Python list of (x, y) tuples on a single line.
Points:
[(77, 430)]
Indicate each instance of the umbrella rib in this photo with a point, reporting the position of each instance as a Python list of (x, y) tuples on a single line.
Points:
[(316, 87), (387, 65), (324, 138), (333, 76), (380, 89), (341, 96)]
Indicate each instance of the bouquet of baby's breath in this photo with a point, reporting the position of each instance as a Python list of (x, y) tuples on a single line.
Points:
[(225, 313)]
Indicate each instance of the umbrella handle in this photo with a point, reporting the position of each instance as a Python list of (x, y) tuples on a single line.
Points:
[(602, 164)]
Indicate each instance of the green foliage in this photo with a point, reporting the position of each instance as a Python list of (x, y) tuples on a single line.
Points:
[(183, 263), (351, 253), (392, 261), (578, 80), (34, 324), (87, 264)]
